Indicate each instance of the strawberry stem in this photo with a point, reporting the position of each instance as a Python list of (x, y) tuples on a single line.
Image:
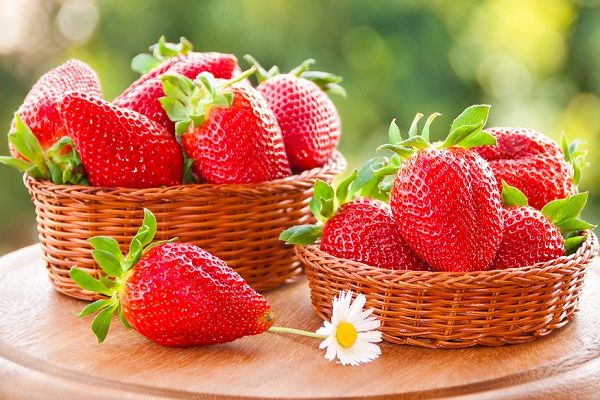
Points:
[(292, 331), (238, 78)]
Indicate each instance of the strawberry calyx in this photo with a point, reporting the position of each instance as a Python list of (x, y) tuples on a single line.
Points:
[(565, 214), (60, 163), (188, 101), (575, 155), (117, 269), (160, 52), (328, 82), (324, 204), (466, 131)]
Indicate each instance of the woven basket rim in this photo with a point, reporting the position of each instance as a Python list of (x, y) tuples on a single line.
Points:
[(585, 252), (336, 163)]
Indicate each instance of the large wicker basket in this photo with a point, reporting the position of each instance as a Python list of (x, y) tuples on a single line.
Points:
[(452, 310), (239, 223)]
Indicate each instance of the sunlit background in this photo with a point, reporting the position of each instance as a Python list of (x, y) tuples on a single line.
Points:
[(536, 62)]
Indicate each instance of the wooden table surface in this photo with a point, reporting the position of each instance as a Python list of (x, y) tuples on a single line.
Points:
[(48, 353)]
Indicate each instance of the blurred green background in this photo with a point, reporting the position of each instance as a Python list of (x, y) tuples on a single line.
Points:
[(536, 62)]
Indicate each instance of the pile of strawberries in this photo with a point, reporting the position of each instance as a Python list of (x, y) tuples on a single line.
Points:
[(481, 200), (190, 117)]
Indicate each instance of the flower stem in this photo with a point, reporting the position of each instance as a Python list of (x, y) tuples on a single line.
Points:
[(282, 329)]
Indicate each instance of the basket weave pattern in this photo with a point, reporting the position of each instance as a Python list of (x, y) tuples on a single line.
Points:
[(238, 223), (452, 310)]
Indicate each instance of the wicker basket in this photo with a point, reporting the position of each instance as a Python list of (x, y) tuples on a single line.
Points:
[(239, 223), (452, 310)]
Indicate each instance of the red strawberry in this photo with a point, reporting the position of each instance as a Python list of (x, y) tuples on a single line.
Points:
[(39, 110), (119, 147), (532, 236), (309, 121), (228, 129), (444, 197), (531, 162), (361, 230), (175, 294), (143, 95), (364, 230), (38, 140)]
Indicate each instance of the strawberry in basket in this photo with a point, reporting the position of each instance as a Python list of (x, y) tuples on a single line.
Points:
[(359, 229), (226, 127), (175, 294), (119, 147), (309, 121), (532, 236), (534, 164), (143, 95), (37, 139), (444, 198)]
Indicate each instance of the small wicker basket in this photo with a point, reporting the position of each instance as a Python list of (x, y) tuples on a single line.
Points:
[(452, 310), (238, 223)]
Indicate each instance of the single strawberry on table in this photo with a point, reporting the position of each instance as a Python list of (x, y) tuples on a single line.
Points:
[(444, 198), (119, 147), (309, 121), (532, 236), (175, 294), (226, 127), (533, 163), (359, 229), (143, 95), (37, 140)]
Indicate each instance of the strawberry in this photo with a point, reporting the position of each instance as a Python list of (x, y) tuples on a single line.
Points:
[(175, 294), (309, 121), (226, 127), (444, 198), (39, 110), (531, 162), (144, 94), (532, 236), (361, 230), (37, 139), (118, 147)]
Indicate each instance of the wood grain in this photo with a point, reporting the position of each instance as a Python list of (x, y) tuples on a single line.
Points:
[(46, 352)]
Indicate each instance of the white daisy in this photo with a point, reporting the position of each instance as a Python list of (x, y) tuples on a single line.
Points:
[(352, 333), (350, 336)]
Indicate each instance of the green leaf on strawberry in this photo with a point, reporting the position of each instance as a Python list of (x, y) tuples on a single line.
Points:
[(511, 196), (575, 156), (161, 51), (302, 234), (564, 213), (328, 82), (188, 101), (466, 131)]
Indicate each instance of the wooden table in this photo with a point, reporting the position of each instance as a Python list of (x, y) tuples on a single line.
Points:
[(48, 353)]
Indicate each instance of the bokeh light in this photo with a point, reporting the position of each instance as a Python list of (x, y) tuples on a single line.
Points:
[(534, 61)]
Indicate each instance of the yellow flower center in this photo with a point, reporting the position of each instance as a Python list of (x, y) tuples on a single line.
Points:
[(346, 335)]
